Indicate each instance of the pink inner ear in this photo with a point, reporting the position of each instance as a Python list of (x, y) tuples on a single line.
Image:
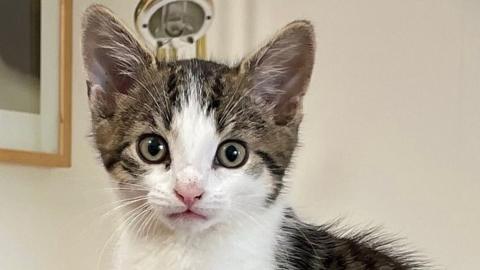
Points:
[(102, 102), (287, 110), (280, 71), (111, 54), (284, 87), (108, 74)]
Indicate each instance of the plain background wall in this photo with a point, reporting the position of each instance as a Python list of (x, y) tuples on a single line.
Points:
[(391, 132)]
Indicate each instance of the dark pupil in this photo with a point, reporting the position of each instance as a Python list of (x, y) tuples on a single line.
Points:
[(154, 146), (231, 153)]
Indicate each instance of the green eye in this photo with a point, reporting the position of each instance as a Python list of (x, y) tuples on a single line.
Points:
[(232, 154), (152, 149)]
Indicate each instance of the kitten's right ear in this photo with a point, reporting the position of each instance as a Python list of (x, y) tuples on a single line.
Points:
[(279, 72), (111, 55)]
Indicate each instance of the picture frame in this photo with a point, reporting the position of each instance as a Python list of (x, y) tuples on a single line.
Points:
[(57, 151)]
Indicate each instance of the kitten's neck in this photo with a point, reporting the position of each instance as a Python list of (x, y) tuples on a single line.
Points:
[(224, 247)]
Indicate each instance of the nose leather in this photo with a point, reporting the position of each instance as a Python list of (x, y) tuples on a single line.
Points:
[(188, 193)]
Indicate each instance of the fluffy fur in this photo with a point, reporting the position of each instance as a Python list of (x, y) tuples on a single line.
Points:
[(195, 105)]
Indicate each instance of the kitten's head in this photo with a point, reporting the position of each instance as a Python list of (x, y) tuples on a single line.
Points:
[(194, 144)]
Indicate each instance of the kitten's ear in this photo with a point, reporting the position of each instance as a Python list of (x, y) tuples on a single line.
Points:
[(111, 55), (279, 73)]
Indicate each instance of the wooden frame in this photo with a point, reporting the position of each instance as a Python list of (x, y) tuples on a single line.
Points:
[(63, 157)]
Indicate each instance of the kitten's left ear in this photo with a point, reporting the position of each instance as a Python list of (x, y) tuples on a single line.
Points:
[(279, 73)]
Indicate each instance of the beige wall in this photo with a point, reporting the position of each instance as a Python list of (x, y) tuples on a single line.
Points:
[(391, 133)]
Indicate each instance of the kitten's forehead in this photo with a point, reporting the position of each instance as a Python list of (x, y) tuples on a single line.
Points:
[(194, 135), (204, 81)]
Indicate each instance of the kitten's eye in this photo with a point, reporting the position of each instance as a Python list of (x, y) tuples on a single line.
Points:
[(232, 154), (152, 149)]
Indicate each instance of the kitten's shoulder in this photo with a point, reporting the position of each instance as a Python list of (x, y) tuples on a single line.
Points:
[(308, 247)]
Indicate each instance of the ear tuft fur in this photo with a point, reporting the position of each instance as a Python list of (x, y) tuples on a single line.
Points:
[(112, 56), (279, 73)]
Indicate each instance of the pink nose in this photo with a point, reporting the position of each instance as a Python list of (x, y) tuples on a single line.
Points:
[(188, 193)]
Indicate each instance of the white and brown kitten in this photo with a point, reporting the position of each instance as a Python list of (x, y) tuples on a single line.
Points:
[(199, 151)]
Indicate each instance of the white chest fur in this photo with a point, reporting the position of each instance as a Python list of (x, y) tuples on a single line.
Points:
[(245, 246)]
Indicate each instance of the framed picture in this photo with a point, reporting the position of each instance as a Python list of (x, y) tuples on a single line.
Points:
[(35, 82)]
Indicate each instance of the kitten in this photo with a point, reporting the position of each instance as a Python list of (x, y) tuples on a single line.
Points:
[(199, 151)]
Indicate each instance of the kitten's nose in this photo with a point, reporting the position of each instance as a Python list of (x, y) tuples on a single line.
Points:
[(188, 193)]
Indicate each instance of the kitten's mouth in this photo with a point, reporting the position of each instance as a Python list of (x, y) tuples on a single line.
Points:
[(187, 214)]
